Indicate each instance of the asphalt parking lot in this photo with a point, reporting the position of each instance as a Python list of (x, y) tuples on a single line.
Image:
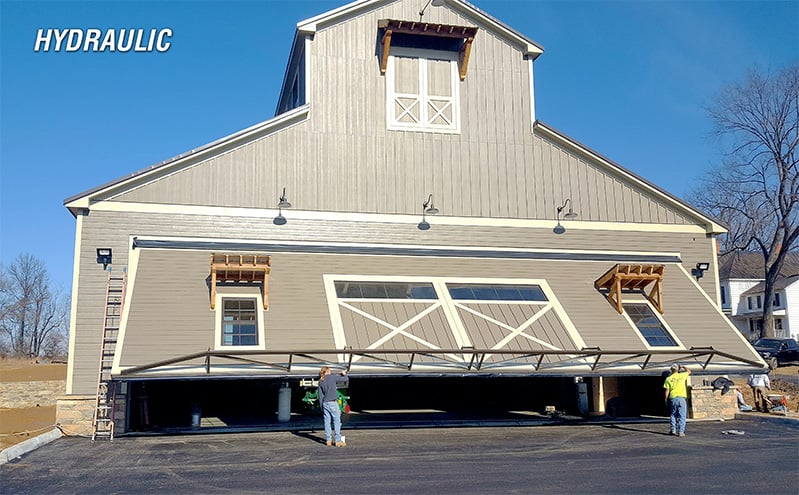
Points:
[(615, 458)]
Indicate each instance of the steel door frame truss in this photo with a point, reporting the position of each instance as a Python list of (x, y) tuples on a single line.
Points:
[(474, 360)]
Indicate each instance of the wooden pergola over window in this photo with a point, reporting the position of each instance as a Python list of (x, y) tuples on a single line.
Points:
[(392, 26), (240, 268), (632, 278)]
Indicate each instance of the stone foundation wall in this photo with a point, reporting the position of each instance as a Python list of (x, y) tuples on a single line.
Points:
[(706, 403), (14, 395), (74, 413)]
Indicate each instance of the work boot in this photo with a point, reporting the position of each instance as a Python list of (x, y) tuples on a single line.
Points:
[(341, 444), (329, 443)]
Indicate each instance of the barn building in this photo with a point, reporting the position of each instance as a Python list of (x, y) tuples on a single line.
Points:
[(404, 215)]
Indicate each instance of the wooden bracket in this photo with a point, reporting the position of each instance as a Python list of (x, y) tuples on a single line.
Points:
[(391, 26), (240, 268), (386, 48), (632, 277), (463, 58)]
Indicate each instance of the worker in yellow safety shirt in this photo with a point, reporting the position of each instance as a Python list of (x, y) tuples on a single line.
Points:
[(676, 386)]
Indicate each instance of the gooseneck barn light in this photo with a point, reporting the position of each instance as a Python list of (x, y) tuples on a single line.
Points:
[(281, 203), (427, 209), (569, 215)]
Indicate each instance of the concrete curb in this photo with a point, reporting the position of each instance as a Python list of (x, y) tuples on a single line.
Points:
[(28, 445)]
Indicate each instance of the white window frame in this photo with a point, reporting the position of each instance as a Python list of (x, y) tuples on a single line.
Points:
[(247, 293), (424, 124), (445, 300), (679, 345)]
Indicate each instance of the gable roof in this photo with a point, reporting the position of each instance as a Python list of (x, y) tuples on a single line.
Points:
[(529, 47), (751, 265), (781, 283)]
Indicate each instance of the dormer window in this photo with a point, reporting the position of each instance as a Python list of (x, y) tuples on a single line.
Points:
[(423, 64), (422, 90)]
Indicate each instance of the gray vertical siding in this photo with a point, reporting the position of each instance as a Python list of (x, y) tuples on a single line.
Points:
[(344, 158)]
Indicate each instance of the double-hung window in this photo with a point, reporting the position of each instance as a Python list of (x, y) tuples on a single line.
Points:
[(239, 319), (239, 322), (422, 90)]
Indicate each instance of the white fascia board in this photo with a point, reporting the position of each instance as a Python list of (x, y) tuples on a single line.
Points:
[(529, 48), (312, 25), (275, 124), (532, 96), (712, 226)]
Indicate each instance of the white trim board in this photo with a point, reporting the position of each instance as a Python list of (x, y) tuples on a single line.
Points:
[(294, 214)]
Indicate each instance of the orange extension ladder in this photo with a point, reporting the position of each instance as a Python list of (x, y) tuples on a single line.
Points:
[(103, 421)]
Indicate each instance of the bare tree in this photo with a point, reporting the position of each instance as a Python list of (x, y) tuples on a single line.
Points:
[(755, 190), (33, 317)]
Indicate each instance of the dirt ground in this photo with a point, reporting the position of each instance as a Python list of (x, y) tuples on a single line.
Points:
[(29, 390), (28, 394), (778, 386)]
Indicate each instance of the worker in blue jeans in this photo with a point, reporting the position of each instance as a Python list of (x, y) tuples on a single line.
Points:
[(676, 386), (328, 400)]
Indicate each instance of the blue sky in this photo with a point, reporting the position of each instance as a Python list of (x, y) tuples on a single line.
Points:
[(629, 79)]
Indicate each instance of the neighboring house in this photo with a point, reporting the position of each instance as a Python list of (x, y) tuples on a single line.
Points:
[(741, 283), (404, 214)]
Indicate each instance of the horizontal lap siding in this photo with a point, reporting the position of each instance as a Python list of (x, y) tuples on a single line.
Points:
[(682, 305), (170, 313), (692, 247), (112, 229), (298, 315), (90, 298)]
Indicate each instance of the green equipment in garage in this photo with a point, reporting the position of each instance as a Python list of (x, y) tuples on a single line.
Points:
[(311, 398)]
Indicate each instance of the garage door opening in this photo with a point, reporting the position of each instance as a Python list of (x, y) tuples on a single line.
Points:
[(252, 404)]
